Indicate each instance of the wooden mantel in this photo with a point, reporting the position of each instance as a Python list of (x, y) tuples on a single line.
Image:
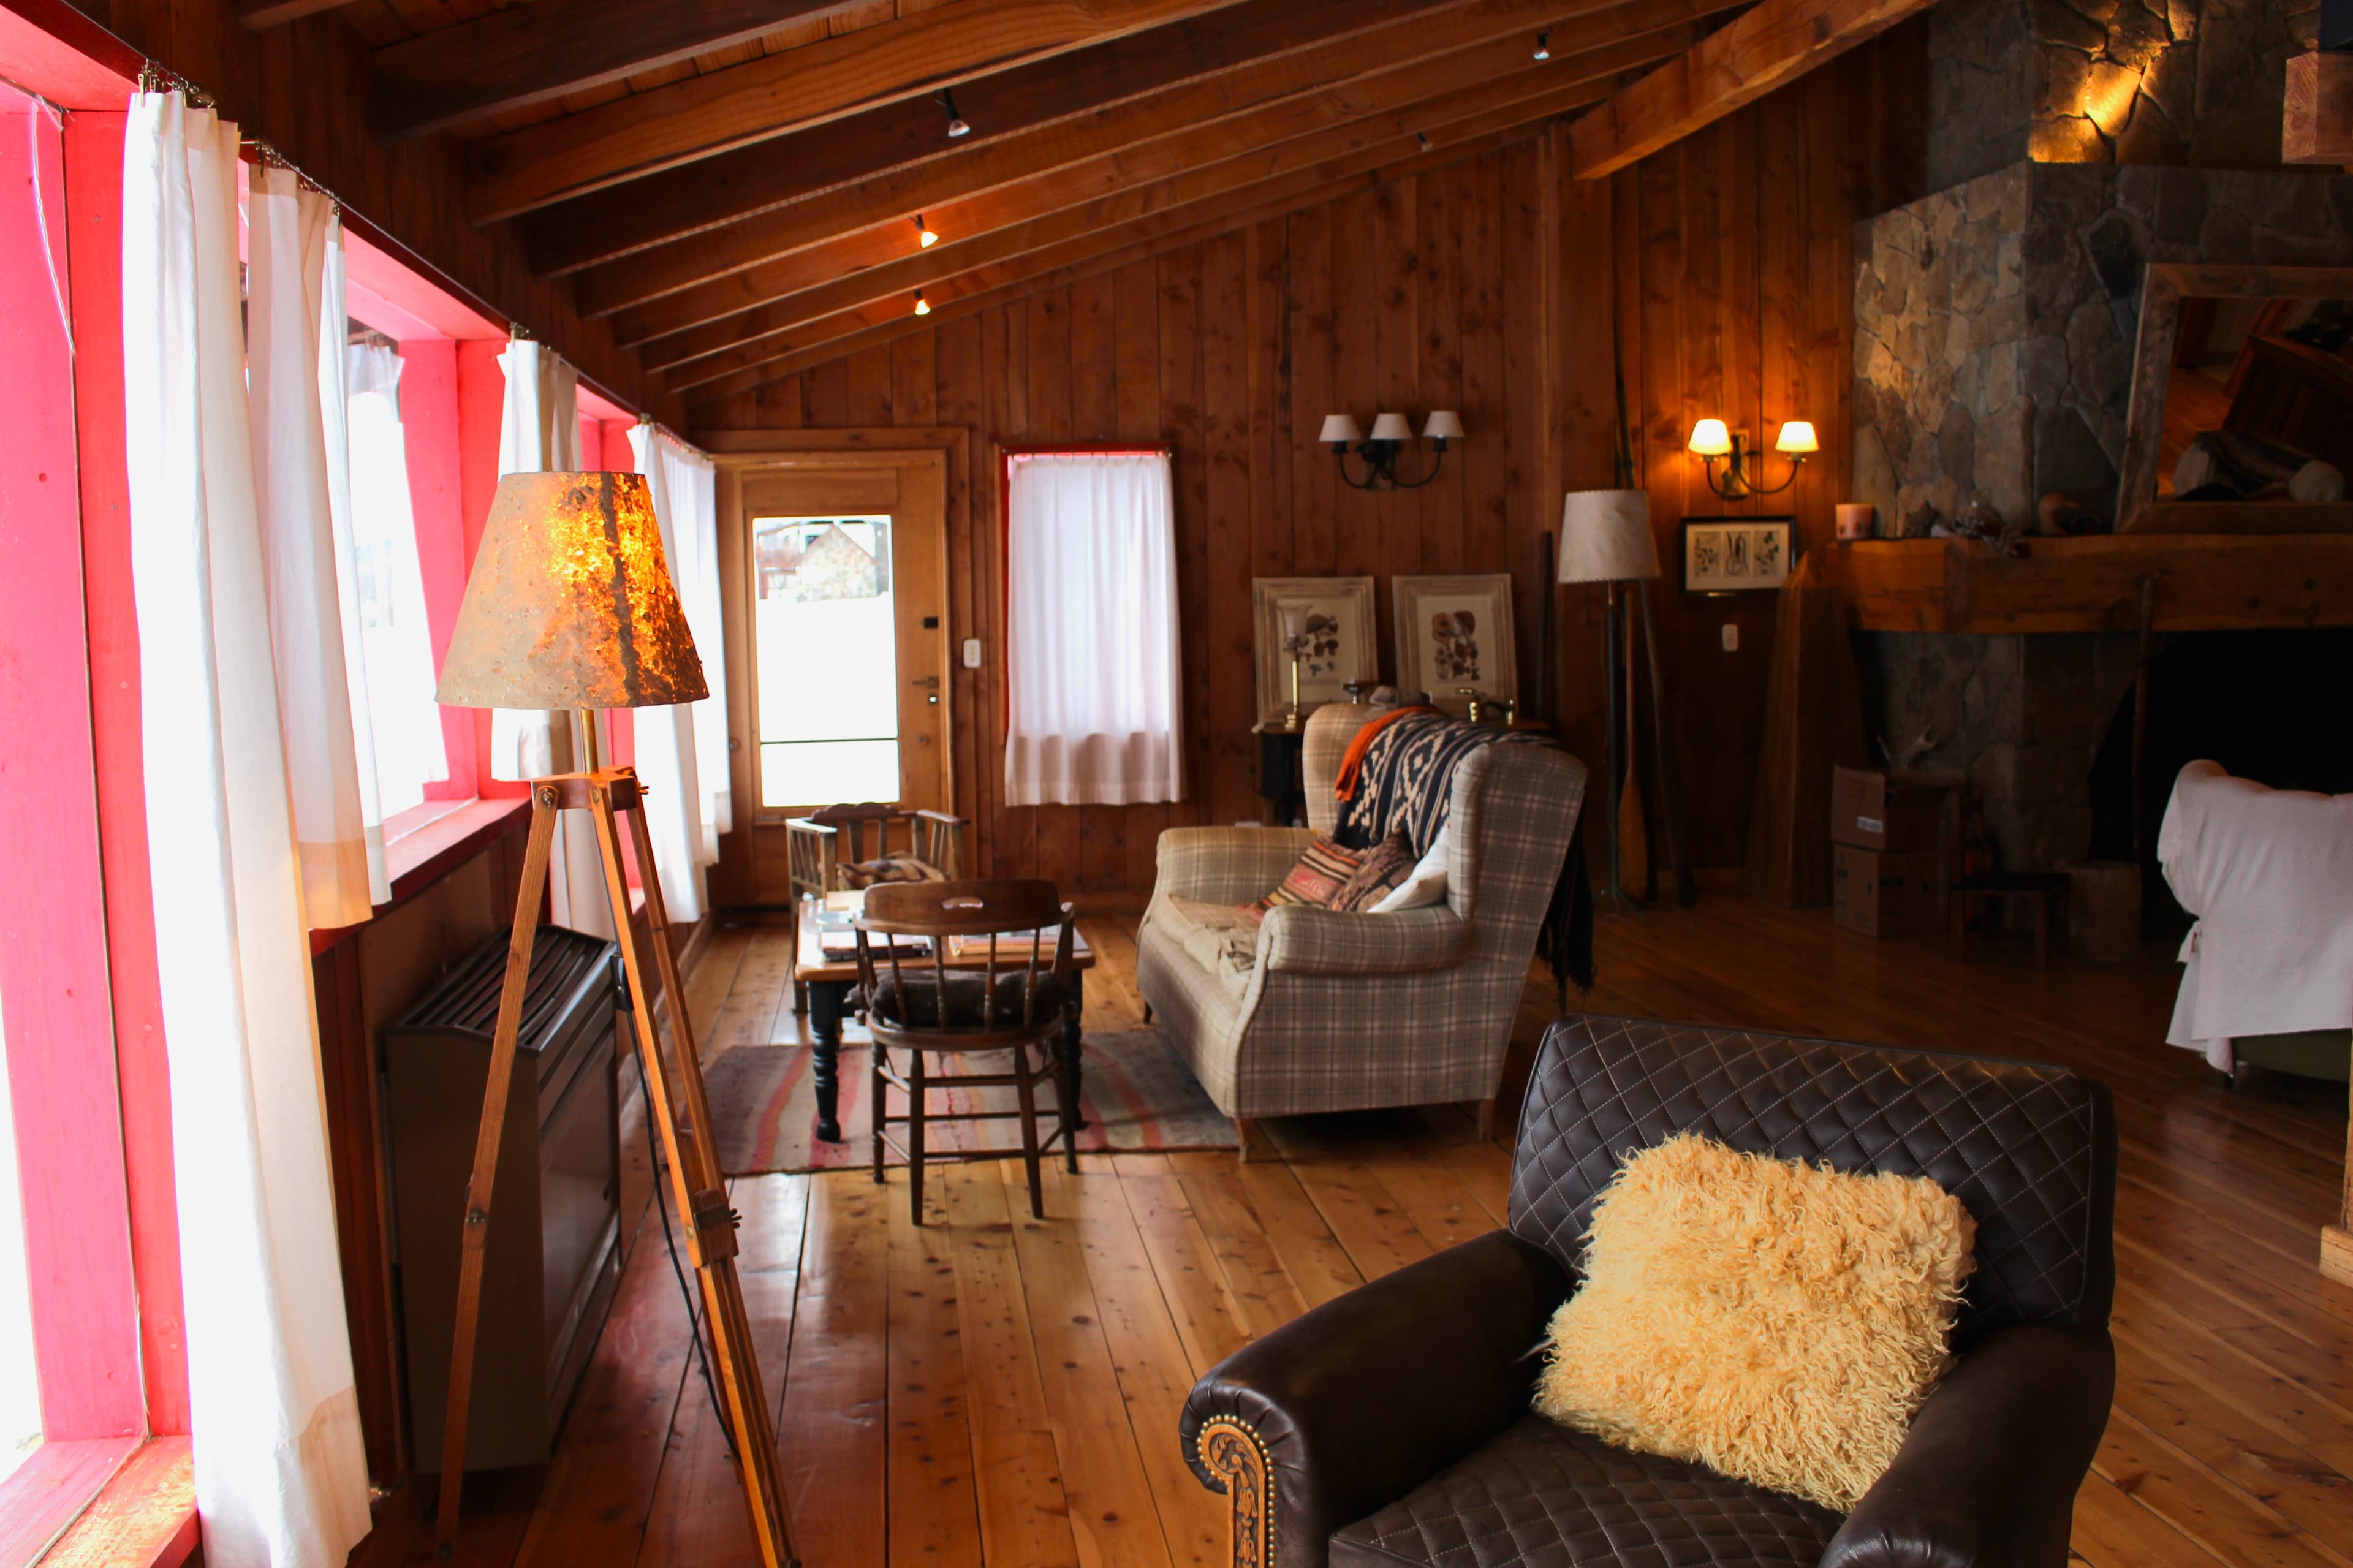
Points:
[(2203, 583)]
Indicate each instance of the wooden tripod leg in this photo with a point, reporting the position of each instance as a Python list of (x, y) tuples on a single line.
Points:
[(544, 812), (695, 1179)]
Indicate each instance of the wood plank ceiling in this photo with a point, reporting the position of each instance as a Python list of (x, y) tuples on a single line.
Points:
[(737, 184)]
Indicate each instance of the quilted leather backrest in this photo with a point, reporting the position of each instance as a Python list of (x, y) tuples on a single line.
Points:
[(2029, 1149)]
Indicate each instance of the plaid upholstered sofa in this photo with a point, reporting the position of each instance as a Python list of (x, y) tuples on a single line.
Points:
[(1315, 1010)]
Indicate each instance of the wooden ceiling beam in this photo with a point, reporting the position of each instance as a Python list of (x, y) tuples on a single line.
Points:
[(1028, 276), (1777, 42), (1293, 172), (505, 59), (791, 91), (639, 213), (1076, 162), (263, 14)]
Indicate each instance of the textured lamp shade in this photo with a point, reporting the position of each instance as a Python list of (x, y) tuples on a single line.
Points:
[(1392, 427), (1339, 428), (1443, 424), (1796, 437), (570, 604), (1605, 537)]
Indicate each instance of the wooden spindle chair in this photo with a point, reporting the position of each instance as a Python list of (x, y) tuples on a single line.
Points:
[(827, 851), (1016, 1001)]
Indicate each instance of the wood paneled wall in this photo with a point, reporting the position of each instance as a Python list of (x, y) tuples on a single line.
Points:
[(1496, 285)]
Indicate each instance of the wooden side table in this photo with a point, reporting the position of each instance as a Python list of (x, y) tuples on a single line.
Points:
[(2045, 890)]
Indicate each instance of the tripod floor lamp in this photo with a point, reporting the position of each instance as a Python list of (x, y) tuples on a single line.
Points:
[(570, 606), (1605, 537)]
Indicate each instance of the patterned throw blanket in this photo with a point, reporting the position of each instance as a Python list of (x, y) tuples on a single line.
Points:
[(1403, 778)]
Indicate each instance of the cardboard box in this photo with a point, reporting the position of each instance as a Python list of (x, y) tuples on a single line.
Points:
[(1885, 895), (1877, 809)]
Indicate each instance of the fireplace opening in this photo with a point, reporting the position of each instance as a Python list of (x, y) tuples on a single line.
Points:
[(2271, 706)]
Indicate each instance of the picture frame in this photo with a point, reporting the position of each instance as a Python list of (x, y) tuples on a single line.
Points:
[(1340, 616), (1455, 632), (1737, 554)]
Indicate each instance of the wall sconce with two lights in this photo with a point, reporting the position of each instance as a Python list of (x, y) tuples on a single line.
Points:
[(1714, 443), (1379, 452)]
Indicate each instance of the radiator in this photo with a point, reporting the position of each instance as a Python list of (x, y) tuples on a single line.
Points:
[(552, 1262)]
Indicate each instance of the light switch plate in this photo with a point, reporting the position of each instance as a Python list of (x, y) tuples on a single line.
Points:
[(972, 653), (1731, 637)]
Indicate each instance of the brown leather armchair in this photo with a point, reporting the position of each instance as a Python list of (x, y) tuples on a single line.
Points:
[(1391, 1425)]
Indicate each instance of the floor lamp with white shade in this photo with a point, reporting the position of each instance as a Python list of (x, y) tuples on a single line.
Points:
[(1605, 537)]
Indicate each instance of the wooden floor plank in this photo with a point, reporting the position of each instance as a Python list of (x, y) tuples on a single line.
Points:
[(1016, 1472), (831, 1430), (1260, 1288), (2200, 1504), (1209, 1320), (934, 1518), (2112, 1530)]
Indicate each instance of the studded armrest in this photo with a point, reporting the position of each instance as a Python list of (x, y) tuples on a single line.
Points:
[(1987, 1476), (1348, 1408)]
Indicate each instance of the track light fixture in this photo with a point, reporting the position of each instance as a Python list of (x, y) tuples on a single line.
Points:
[(956, 126), (923, 305), (924, 235), (1543, 46), (1422, 137)]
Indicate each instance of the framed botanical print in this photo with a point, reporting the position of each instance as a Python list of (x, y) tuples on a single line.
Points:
[(1335, 615), (1455, 633), (1736, 554)]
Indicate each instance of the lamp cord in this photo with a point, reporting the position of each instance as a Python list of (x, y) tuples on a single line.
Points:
[(669, 1243)]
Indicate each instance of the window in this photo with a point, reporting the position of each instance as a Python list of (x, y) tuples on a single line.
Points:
[(396, 642), (828, 638), (1090, 623)]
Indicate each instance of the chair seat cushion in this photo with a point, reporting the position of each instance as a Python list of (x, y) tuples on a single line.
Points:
[(1220, 938), (889, 868), (918, 1006), (1547, 1497)]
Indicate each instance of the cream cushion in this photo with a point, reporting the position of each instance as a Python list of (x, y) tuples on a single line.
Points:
[(1220, 938), (1425, 886), (1777, 1321)]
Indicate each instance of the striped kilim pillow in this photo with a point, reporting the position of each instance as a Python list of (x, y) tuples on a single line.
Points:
[(1318, 878)]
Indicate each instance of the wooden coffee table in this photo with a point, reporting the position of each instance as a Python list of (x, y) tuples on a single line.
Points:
[(829, 981)]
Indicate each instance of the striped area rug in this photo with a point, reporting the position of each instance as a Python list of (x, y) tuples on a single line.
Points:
[(1136, 1093)]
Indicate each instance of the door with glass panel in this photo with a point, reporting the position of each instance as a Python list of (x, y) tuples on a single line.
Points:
[(844, 593)]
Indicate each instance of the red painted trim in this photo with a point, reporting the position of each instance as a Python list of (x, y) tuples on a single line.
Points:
[(423, 856), (51, 1487), (53, 968), (145, 1517), (93, 148), (58, 52), (428, 424)]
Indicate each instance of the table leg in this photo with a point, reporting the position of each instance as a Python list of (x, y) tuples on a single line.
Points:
[(1073, 1031), (824, 1000)]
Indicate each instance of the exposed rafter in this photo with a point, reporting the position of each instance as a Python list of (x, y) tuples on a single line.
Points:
[(1777, 42), (748, 181), (526, 54), (1078, 161), (1225, 220), (777, 94), (263, 14), (1290, 172)]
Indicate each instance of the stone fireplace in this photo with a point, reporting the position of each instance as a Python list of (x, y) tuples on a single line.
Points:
[(2076, 141)]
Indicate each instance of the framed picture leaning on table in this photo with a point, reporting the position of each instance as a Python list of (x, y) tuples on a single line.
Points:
[(1453, 633)]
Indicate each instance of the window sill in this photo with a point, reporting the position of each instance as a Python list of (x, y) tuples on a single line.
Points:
[(104, 1501), (144, 1518), (438, 836)]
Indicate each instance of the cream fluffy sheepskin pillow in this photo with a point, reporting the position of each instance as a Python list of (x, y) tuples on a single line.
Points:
[(1777, 1322)]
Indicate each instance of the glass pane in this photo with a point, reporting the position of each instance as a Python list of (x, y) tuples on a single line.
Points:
[(20, 1386), (827, 638)]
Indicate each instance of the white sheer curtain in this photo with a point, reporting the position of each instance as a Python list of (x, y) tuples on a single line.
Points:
[(1090, 566), (679, 809), (309, 627), (396, 642), (280, 1475), (539, 432)]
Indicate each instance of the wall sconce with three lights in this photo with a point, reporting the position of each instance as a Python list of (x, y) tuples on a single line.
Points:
[(1714, 443), (1379, 452)]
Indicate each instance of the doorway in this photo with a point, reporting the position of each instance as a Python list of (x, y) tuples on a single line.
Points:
[(840, 591)]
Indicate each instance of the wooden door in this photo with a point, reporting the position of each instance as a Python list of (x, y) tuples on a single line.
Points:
[(840, 592)]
